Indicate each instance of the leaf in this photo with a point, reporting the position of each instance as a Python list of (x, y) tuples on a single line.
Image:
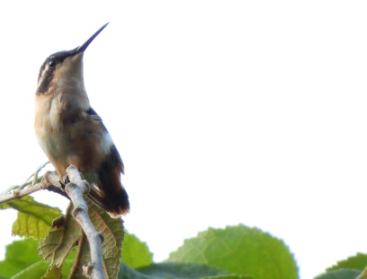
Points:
[(175, 271), (181, 270), (340, 274), (53, 273), (19, 255), (36, 270), (229, 277), (34, 218), (67, 266), (135, 253), (113, 234), (5, 206), (358, 261), (239, 250), (61, 240), (127, 272)]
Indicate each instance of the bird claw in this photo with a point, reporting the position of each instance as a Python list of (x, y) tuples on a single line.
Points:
[(64, 180)]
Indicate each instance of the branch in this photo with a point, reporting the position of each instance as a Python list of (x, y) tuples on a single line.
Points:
[(75, 190), (49, 181)]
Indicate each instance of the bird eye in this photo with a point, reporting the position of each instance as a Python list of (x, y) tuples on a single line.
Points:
[(52, 63)]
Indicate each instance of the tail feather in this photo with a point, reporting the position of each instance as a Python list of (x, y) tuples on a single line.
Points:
[(115, 203), (110, 194)]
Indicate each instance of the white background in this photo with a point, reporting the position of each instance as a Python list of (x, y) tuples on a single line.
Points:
[(224, 112)]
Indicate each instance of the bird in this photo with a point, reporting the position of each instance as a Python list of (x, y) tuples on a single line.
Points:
[(70, 132)]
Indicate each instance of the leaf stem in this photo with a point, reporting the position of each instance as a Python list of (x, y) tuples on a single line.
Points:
[(77, 255)]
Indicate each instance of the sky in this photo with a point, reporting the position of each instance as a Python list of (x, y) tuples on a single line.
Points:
[(224, 112)]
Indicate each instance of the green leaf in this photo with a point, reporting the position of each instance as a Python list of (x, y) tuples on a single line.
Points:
[(36, 270), (181, 270), (229, 277), (340, 274), (135, 253), (53, 273), (127, 272), (19, 255), (4, 206), (175, 271), (239, 250), (61, 240), (42, 268), (34, 218), (358, 261)]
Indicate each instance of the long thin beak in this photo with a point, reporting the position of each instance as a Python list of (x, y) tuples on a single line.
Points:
[(87, 43)]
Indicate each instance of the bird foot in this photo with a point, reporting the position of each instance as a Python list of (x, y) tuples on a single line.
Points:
[(64, 180)]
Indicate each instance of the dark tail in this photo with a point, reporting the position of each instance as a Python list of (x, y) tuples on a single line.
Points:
[(111, 195)]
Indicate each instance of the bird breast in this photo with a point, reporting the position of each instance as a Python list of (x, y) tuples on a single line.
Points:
[(68, 135)]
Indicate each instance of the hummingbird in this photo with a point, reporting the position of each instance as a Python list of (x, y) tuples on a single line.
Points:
[(70, 132)]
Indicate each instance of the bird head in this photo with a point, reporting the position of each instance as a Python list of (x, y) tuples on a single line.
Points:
[(64, 68)]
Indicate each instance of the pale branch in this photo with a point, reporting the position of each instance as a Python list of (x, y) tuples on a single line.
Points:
[(49, 181), (75, 190)]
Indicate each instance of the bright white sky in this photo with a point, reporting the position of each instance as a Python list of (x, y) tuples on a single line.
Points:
[(224, 112)]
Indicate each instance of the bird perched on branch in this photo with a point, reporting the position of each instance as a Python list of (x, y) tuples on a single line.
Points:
[(70, 132)]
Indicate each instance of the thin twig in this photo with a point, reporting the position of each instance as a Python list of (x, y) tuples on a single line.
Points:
[(35, 174), (48, 180), (25, 184), (75, 190), (34, 181)]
